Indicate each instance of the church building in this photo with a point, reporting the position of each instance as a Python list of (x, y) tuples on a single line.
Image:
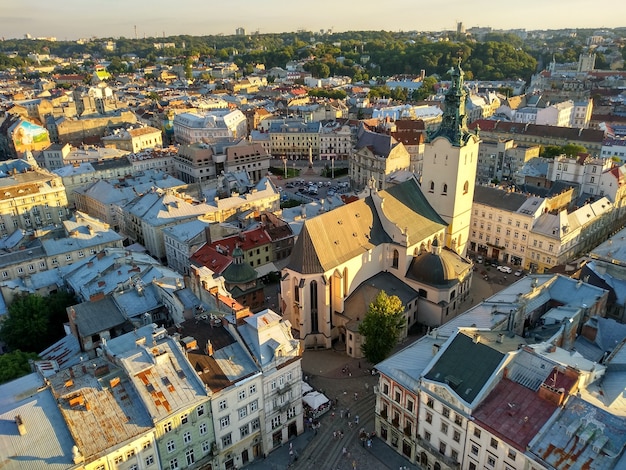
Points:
[(406, 240)]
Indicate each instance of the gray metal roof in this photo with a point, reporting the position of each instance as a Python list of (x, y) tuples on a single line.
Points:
[(466, 366), (47, 443)]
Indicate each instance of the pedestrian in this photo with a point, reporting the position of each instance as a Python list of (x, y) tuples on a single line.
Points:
[(356, 420), (348, 413), (356, 396), (344, 451), (369, 443), (341, 413), (334, 434), (354, 465)]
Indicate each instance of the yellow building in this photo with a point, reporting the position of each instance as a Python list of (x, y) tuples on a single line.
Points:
[(30, 197)]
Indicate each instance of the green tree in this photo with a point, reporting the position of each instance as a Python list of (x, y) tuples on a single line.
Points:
[(34, 322), (15, 364), (382, 326)]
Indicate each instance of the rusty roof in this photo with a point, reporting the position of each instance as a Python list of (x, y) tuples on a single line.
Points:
[(514, 413)]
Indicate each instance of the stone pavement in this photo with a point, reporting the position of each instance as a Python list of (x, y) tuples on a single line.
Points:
[(324, 450)]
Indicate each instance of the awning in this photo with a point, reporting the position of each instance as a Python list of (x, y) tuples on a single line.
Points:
[(265, 269), (306, 388), (315, 399)]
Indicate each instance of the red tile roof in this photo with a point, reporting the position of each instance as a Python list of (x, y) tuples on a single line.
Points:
[(246, 240), (209, 257)]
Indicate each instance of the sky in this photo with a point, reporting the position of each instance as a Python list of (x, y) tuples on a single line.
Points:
[(74, 19)]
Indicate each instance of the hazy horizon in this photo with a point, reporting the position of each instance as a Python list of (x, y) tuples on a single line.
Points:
[(79, 19)]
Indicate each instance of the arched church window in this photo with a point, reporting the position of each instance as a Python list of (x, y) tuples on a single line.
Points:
[(396, 257)]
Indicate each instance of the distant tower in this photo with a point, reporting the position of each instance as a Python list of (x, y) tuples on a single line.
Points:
[(460, 29), (450, 162), (135, 31), (240, 31)]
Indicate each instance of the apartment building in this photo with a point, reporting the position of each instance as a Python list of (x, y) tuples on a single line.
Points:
[(481, 396), (171, 393), (294, 139), (134, 139), (501, 159), (375, 157), (212, 126), (31, 197), (501, 221)]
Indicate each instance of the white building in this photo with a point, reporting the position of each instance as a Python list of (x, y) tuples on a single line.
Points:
[(218, 125)]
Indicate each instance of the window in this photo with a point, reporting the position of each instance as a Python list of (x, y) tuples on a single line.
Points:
[(227, 440), (133, 467), (409, 405), (426, 436), (397, 396), (167, 427), (243, 412), (511, 454), (242, 394), (456, 436), (5, 274), (202, 429), (429, 418), (474, 449), (206, 447), (256, 424), (442, 447), (454, 455), (491, 461), (224, 421), (187, 437), (494, 443), (130, 453), (147, 445), (149, 460), (184, 418), (252, 389), (430, 403), (445, 412), (222, 405), (171, 446), (118, 460), (275, 422), (200, 410), (444, 428), (244, 431), (190, 457), (254, 406)]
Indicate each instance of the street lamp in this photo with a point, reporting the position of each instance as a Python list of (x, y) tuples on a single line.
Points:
[(285, 165)]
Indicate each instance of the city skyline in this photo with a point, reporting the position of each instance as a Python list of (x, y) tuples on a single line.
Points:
[(78, 19)]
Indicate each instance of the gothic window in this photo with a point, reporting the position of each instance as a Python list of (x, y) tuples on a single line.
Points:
[(296, 290), (466, 187), (432, 186), (445, 189), (396, 256), (313, 293)]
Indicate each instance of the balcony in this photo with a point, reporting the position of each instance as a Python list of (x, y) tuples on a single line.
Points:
[(434, 452)]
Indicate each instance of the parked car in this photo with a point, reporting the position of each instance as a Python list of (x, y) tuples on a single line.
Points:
[(519, 272), (479, 259), (505, 269)]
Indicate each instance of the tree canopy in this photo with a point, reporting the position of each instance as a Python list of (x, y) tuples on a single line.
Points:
[(35, 322), (571, 150), (382, 326), (15, 364)]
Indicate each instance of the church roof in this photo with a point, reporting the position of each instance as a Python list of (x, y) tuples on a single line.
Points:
[(440, 269), (339, 235)]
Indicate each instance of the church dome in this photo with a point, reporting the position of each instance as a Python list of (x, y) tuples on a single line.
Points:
[(439, 268)]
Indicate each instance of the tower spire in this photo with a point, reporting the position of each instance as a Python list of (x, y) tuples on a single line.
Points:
[(454, 120)]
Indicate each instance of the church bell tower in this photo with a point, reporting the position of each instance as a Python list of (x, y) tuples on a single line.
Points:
[(450, 163)]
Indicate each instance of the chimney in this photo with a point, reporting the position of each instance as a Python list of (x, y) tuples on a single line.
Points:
[(500, 337), (476, 338), (21, 428), (209, 348)]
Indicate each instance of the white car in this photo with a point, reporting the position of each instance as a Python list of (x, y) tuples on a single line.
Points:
[(518, 273), (505, 269)]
